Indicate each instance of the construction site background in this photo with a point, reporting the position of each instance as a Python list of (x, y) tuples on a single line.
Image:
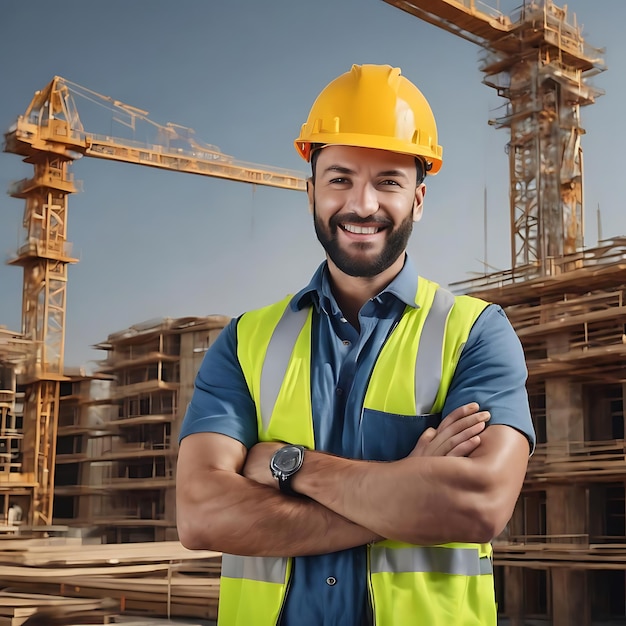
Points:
[(87, 461)]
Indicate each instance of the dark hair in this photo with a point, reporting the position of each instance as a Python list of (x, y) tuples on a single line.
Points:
[(421, 167), (315, 152), (420, 164)]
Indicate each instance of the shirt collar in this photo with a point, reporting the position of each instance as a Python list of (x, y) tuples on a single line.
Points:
[(318, 292)]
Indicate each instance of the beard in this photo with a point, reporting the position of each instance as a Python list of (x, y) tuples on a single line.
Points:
[(364, 265)]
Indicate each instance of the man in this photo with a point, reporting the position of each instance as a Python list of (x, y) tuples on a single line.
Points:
[(314, 447)]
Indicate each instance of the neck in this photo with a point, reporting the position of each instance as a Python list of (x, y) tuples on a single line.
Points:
[(352, 292)]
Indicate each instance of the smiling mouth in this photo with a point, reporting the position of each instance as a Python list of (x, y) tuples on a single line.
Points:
[(361, 230)]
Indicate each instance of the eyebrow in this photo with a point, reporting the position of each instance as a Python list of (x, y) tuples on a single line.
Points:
[(393, 173), (341, 169)]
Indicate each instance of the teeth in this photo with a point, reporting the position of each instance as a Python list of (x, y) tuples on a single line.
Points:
[(360, 230)]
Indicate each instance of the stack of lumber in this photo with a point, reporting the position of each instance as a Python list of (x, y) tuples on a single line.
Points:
[(17, 609), (568, 555), (156, 579), (21, 608)]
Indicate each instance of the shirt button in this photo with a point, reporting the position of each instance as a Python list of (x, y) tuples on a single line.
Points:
[(339, 391), (346, 343), (331, 580)]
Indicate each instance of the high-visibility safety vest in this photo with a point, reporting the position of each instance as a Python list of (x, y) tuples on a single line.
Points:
[(440, 585)]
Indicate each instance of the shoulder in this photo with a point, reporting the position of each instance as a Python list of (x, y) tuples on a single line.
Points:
[(492, 338), (220, 354), (493, 353), (492, 324)]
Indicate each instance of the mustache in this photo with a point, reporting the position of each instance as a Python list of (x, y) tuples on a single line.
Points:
[(353, 218)]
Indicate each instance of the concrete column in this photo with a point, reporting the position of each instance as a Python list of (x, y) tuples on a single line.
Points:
[(624, 407), (514, 595), (570, 597), (566, 505)]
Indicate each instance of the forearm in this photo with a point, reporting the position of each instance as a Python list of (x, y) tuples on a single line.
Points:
[(423, 500), (418, 500), (230, 513)]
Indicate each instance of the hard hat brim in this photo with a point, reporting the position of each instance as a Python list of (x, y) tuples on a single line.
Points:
[(434, 158)]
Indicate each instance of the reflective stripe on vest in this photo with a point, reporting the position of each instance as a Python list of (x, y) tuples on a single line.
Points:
[(259, 568), (432, 559), (277, 359), (428, 365), (429, 354)]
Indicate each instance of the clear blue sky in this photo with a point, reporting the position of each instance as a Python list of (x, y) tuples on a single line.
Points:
[(243, 74)]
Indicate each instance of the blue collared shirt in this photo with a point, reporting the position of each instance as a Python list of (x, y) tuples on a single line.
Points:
[(331, 589)]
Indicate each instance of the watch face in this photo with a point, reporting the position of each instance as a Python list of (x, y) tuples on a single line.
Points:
[(288, 459)]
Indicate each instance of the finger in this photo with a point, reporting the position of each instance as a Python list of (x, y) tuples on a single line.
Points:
[(428, 435), (466, 447), (423, 442), (457, 433), (459, 413), (465, 435), (463, 423)]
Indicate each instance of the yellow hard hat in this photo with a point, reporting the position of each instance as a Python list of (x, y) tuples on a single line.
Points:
[(373, 106)]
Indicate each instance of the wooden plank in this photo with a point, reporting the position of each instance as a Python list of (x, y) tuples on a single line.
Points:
[(16, 608)]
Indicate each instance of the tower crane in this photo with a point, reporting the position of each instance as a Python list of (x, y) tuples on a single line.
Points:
[(50, 136), (538, 60)]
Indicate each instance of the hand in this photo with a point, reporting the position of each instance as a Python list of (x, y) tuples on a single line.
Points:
[(257, 466), (457, 435)]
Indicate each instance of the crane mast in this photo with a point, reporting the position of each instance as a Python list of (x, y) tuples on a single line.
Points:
[(539, 61), (50, 136)]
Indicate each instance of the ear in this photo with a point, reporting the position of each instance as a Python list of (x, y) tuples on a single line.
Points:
[(310, 192), (418, 202)]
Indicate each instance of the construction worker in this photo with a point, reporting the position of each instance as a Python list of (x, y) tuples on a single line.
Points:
[(313, 453)]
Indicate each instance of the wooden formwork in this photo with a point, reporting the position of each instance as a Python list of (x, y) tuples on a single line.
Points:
[(562, 558)]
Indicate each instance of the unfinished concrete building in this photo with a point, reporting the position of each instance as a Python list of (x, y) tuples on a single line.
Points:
[(117, 447), (562, 559), (16, 476), (85, 409)]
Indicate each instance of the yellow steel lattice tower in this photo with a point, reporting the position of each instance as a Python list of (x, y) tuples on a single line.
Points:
[(44, 258), (50, 136), (539, 61)]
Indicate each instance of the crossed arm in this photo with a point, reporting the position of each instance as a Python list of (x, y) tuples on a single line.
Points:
[(460, 483)]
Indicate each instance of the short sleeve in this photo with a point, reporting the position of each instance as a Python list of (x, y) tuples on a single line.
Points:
[(221, 402), (492, 372)]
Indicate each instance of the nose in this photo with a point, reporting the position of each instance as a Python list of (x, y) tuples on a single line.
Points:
[(364, 200)]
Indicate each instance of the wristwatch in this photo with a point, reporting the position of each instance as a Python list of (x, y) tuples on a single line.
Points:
[(284, 464)]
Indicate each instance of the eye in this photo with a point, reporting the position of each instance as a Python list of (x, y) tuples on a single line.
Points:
[(390, 182), (340, 180)]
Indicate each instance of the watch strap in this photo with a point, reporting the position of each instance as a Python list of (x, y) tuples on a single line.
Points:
[(284, 484)]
